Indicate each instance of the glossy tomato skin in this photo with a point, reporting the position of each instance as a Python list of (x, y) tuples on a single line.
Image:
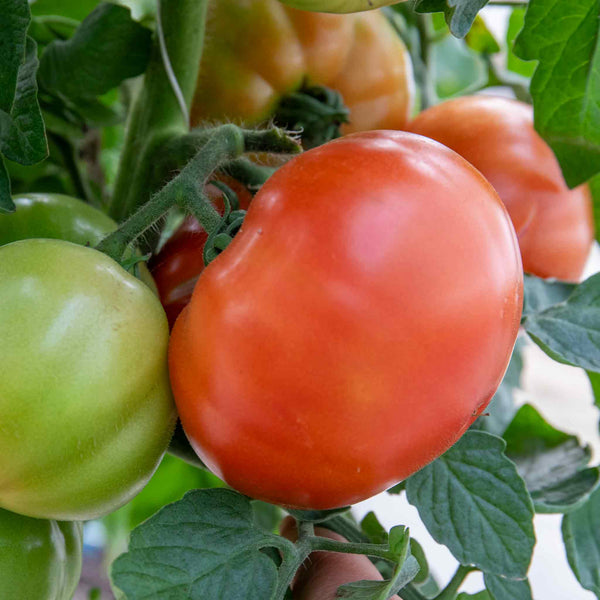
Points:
[(59, 217), (359, 322), (256, 51), (39, 559), (178, 265), (554, 225), (85, 403)]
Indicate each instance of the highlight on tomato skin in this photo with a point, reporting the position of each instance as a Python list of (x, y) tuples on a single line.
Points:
[(555, 225), (333, 349)]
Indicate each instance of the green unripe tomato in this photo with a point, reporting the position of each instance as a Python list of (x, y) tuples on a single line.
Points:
[(54, 216), (39, 559), (338, 6), (59, 217), (86, 411)]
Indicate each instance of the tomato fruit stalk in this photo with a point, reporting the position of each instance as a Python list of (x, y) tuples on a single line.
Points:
[(178, 265), (358, 323)]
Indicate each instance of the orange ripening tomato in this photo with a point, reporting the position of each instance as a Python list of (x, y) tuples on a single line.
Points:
[(178, 265), (554, 225), (256, 51), (358, 323)]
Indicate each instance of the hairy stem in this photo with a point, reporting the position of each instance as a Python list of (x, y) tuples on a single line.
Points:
[(224, 144), (156, 115)]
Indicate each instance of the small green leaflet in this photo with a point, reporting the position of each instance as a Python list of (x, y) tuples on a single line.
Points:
[(501, 409), (541, 294), (581, 535), (6, 203), (207, 546), (563, 36), (514, 63), (473, 501), (570, 331), (595, 189), (108, 47), (553, 464), (459, 14)]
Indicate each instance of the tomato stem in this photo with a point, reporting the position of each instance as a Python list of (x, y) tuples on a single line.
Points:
[(425, 30), (156, 115), (329, 545), (451, 590), (225, 143)]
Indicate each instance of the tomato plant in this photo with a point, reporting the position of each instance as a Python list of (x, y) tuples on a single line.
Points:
[(85, 403), (258, 51), (38, 558), (306, 300), (554, 225)]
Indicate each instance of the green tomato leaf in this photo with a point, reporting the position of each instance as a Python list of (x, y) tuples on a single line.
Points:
[(540, 294), (501, 409), (569, 332), (72, 9), (473, 500), (373, 529), (552, 463), (595, 383), (13, 30), (563, 36), (381, 590), (204, 547), (581, 535), (108, 47), (459, 14), (500, 588), (458, 69), (6, 203), (398, 488), (513, 62), (22, 135), (481, 39), (483, 595), (317, 516), (595, 189)]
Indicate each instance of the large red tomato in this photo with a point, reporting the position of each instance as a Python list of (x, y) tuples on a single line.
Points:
[(357, 325), (554, 225)]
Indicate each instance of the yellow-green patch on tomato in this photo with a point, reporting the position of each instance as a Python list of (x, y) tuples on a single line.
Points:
[(86, 411)]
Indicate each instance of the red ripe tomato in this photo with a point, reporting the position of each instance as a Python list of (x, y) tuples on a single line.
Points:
[(178, 265), (555, 225), (359, 322)]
